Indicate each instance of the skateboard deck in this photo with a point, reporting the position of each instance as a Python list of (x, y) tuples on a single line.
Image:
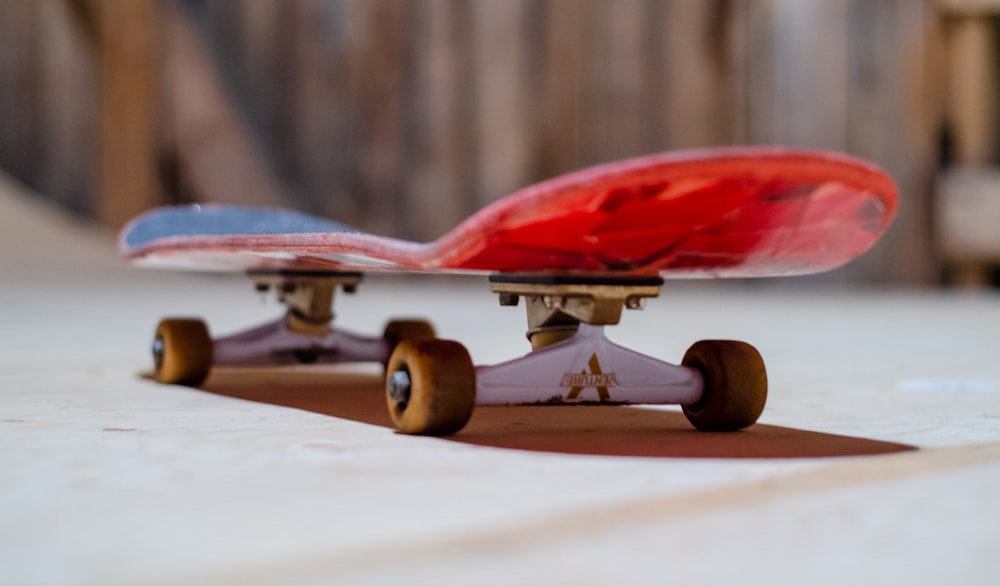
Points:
[(732, 212)]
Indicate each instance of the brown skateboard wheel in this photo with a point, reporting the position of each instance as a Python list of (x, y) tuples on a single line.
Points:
[(430, 387), (735, 385), (182, 352)]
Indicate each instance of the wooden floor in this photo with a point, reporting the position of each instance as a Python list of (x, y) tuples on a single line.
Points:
[(876, 461)]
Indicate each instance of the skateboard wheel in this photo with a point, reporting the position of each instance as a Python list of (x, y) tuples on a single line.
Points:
[(430, 387), (735, 385), (182, 352)]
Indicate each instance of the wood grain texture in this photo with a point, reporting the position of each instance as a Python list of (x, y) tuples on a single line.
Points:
[(967, 198), (316, 148), (440, 135), (504, 123), (697, 57), (894, 116), (67, 75), (797, 73), (128, 112), (562, 115), (21, 145), (973, 89), (219, 158), (615, 80)]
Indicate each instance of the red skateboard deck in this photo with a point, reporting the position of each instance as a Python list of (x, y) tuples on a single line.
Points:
[(733, 212)]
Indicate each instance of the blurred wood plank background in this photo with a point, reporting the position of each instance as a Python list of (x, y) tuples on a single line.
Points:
[(404, 116)]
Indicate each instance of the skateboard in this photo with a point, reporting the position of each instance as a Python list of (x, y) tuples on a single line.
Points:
[(577, 249)]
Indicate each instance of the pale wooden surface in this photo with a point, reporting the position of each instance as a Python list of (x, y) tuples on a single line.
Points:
[(108, 478)]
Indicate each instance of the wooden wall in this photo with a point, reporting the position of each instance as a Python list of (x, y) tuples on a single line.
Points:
[(403, 116), (48, 101)]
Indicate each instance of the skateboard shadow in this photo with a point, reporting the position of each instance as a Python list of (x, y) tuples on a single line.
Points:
[(591, 430)]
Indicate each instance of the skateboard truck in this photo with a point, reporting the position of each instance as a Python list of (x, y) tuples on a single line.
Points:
[(572, 361), (183, 352), (309, 297), (305, 334)]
